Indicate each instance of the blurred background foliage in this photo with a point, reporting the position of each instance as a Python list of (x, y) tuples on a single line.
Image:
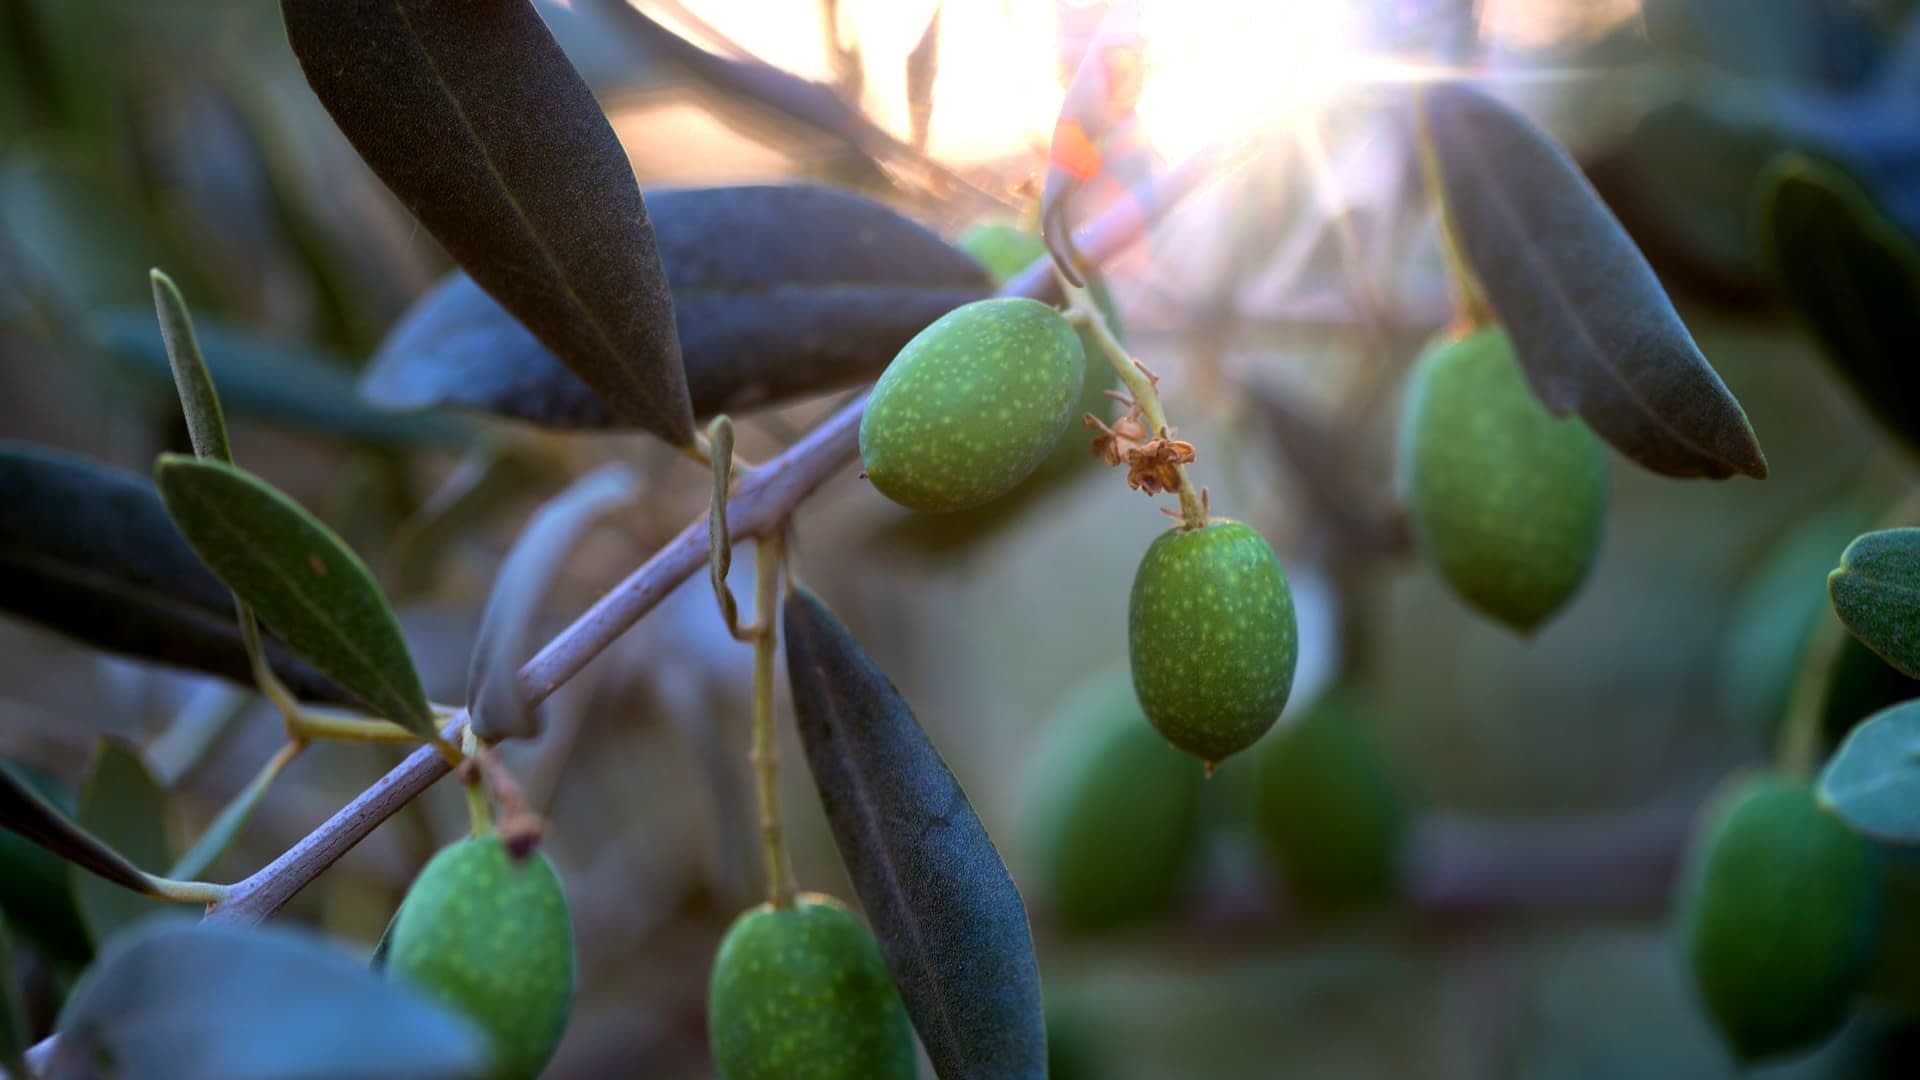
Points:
[(1555, 777)]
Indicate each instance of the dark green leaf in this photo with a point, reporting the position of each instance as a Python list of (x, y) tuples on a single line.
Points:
[(950, 921), (14, 1033), (1592, 326), (277, 383), (123, 806), (302, 581), (36, 891), (198, 400), (473, 116), (24, 811), (1854, 276), (1876, 592), (87, 550), (1873, 780), (495, 706), (174, 999), (827, 291)]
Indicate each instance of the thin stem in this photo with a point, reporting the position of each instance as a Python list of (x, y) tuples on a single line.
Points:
[(1797, 751), (1470, 302), (185, 892), (311, 724), (1140, 386), (479, 811), (766, 753), (225, 827)]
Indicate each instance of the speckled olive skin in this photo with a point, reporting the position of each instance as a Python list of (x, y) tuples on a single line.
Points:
[(491, 936), (802, 993), (1212, 639), (972, 404), (1780, 917), (1113, 813), (1006, 249), (1507, 502), (1330, 807)]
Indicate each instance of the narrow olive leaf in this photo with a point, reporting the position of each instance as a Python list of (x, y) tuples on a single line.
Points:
[(1876, 592), (36, 890), (226, 825), (87, 550), (302, 581), (1855, 278), (205, 426), (125, 808), (474, 117), (951, 923), (14, 1037), (1593, 327), (829, 289), (173, 998), (24, 811), (526, 579), (1873, 781), (293, 386)]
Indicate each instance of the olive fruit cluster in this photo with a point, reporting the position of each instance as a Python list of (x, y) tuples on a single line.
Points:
[(1780, 917), (1507, 501), (802, 993), (490, 934)]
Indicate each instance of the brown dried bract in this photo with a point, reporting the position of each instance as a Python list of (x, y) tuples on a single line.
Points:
[(1154, 467)]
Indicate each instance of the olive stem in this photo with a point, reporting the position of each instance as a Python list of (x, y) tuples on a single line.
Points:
[(306, 725), (1798, 749), (765, 754), (1140, 386), (1470, 302), (479, 811), (201, 857)]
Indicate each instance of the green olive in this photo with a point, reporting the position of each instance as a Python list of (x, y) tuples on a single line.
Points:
[(1102, 773), (1780, 917), (1330, 807), (491, 935), (802, 993), (1507, 502), (972, 405), (1211, 636)]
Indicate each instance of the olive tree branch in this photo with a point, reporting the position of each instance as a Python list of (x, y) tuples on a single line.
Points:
[(763, 500)]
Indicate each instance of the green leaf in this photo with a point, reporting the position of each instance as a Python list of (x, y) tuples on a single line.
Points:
[(1873, 780), (266, 1003), (1853, 275), (125, 808), (24, 811), (302, 581), (1592, 326), (495, 707), (950, 921), (221, 832), (36, 891), (14, 1032), (1876, 592), (198, 400), (830, 289), (88, 551), (279, 383), (473, 116)]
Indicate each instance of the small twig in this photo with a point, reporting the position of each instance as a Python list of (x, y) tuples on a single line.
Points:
[(768, 557)]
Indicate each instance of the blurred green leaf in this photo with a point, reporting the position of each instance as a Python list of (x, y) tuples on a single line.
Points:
[(36, 891), (1876, 592), (77, 232), (84, 49), (495, 706), (14, 1033), (1873, 780), (544, 213), (87, 550), (278, 383), (174, 999), (831, 287), (1854, 276), (303, 582), (198, 401), (950, 920), (1591, 323), (225, 827), (125, 808), (24, 811)]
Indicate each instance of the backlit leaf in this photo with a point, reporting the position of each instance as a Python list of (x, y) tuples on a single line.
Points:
[(125, 808)]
